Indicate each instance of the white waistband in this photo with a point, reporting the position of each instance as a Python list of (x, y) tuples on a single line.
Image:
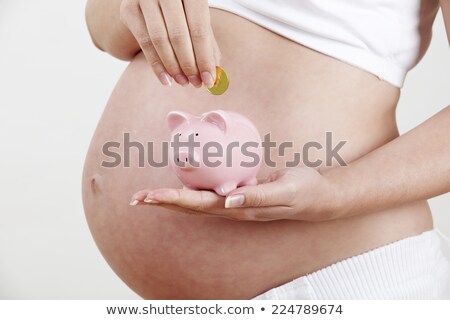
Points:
[(411, 268)]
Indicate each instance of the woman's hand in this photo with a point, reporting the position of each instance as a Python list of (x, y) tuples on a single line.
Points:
[(176, 38), (294, 194)]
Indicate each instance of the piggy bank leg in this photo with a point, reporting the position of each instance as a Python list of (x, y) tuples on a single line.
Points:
[(226, 188)]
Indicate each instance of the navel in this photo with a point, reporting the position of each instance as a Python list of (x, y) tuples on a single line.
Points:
[(96, 183)]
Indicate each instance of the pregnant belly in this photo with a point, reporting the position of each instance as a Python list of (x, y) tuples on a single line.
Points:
[(292, 92)]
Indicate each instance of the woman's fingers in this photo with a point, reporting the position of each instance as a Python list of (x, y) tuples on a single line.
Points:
[(205, 203), (191, 199), (180, 39), (198, 19), (131, 15), (156, 21), (176, 38), (216, 49), (269, 194), (244, 214)]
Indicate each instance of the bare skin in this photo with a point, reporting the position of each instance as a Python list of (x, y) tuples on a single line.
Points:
[(164, 254)]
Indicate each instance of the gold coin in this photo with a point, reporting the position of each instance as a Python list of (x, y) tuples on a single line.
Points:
[(221, 83)]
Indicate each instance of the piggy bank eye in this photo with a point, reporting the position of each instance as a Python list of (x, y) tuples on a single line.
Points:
[(196, 134)]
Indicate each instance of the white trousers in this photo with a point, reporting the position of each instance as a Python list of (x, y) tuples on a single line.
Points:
[(411, 268)]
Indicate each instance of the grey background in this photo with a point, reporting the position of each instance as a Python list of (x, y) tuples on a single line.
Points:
[(53, 87)]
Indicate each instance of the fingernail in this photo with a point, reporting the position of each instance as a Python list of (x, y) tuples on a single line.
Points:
[(150, 201), (134, 202), (207, 79), (165, 79), (181, 79), (234, 201), (195, 80)]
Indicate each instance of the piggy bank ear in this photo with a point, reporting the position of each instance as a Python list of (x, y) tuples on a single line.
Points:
[(219, 118), (177, 118)]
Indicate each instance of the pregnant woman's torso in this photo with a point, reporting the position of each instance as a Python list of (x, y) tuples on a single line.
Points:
[(292, 92)]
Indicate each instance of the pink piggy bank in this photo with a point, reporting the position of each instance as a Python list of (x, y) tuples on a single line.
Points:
[(219, 150)]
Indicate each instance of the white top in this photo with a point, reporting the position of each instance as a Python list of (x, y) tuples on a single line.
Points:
[(384, 37)]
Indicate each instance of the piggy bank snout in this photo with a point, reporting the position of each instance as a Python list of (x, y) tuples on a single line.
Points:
[(187, 160)]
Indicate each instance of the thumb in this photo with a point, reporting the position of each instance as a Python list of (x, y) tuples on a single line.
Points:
[(262, 195), (216, 49)]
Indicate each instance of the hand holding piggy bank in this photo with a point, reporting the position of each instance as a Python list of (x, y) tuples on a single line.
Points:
[(219, 150)]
